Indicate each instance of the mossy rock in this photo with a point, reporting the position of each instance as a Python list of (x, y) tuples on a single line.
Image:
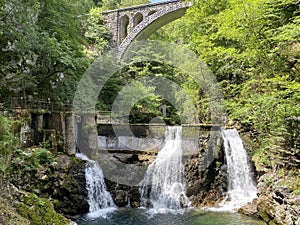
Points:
[(9, 216), (39, 211)]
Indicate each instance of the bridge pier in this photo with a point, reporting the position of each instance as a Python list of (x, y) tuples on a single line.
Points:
[(87, 136), (70, 135)]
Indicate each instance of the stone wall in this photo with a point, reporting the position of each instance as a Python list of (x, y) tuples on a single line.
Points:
[(53, 130), (153, 130)]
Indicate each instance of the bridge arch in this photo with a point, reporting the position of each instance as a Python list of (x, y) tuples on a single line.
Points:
[(124, 27), (137, 18), (149, 25), (139, 22), (151, 12)]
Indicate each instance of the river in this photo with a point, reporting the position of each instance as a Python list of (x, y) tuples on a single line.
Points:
[(129, 216)]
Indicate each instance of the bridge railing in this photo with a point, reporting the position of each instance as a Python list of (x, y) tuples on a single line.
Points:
[(30, 104), (14, 104)]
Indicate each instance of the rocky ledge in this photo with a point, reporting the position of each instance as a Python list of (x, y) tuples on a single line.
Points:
[(277, 204), (60, 180)]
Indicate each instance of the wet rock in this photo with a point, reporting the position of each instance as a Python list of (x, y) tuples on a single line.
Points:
[(123, 195), (134, 198), (120, 197), (69, 194), (280, 193), (250, 209), (264, 207), (205, 174)]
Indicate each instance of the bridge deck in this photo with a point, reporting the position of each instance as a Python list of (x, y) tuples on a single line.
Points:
[(139, 6)]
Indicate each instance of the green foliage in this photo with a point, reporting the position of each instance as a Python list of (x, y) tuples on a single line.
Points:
[(7, 144), (142, 88), (41, 45), (140, 100), (8, 213), (252, 46), (253, 49), (114, 4), (97, 33), (290, 179), (30, 160), (125, 3), (39, 211)]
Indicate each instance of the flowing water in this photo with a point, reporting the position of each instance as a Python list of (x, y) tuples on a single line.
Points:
[(99, 199), (163, 183), (241, 185)]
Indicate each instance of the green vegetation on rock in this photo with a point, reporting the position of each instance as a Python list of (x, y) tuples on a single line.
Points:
[(9, 216), (39, 211)]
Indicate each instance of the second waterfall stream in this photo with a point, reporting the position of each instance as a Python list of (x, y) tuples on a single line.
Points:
[(99, 199), (163, 186), (241, 184)]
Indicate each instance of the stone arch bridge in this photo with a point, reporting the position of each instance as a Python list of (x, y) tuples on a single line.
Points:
[(139, 22)]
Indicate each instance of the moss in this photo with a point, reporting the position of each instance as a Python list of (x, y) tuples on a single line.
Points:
[(76, 163), (9, 216), (290, 179), (39, 211)]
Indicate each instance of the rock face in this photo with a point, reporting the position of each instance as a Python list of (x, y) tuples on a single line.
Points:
[(277, 204), (63, 181), (125, 196), (123, 186), (205, 173), (69, 186), (250, 209)]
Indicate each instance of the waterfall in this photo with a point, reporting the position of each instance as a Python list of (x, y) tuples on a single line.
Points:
[(163, 183), (241, 185), (99, 199), (25, 134)]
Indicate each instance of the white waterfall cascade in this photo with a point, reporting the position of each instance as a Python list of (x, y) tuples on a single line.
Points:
[(241, 184), (163, 183), (99, 199)]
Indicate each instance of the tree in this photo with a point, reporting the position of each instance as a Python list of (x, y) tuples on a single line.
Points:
[(97, 33), (17, 38), (42, 48)]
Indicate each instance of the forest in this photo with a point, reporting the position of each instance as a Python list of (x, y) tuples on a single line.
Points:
[(251, 46)]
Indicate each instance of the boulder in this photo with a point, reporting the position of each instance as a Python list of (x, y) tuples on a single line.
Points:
[(280, 206), (250, 209), (120, 197)]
